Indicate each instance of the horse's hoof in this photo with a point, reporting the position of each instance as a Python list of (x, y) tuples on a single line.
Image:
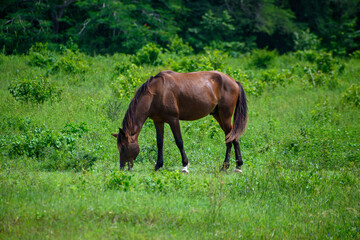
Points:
[(238, 170), (185, 170)]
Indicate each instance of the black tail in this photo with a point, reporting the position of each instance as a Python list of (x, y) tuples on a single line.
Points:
[(240, 117)]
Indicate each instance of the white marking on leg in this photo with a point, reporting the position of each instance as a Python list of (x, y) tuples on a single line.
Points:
[(185, 169), (238, 170)]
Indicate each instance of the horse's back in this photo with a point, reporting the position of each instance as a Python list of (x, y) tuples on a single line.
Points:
[(191, 96)]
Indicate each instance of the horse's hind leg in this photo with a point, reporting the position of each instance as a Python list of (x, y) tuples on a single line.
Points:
[(239, 161), (225, 124), (175, 128)]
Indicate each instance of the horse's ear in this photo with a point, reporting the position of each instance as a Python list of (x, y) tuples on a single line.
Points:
[(123, 135), (115, 134)]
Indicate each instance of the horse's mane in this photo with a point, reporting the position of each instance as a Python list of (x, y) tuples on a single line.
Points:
[(128, 118)]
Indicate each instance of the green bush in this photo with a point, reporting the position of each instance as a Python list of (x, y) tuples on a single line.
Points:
[(352, 95), (262, 58), (251, 86), (355, 54), (148, 54), (211, 60), (178, 46), (186, 64), (71, 62), (274, 78), (36, 90), (214, 59), (121, 68), (325, 62), (55, 150), (318, 78), (41, 56), (305, 40), (306, 55), (125, 84), (234, 49)]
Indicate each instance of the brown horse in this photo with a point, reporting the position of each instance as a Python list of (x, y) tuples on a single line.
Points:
[(169, 97)]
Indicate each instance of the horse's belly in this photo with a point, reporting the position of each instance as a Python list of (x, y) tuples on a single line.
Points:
[(196, 108)]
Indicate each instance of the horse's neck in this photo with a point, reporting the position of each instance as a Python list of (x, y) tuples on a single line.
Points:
[(139, 116)]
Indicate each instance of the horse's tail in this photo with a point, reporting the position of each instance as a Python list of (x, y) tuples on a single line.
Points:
[(240, 116)]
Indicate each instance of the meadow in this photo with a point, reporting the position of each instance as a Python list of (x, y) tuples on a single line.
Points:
[(59, 165)]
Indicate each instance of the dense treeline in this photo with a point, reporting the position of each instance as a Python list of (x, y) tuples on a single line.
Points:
[(108, 26)]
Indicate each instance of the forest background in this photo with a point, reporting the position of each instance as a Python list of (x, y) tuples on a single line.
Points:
[(109, 26)]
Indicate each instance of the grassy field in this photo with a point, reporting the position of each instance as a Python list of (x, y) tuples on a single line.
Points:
[(59, 163)]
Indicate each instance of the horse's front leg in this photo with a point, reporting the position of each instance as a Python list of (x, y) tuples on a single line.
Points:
[(159, 126), (175, 128)]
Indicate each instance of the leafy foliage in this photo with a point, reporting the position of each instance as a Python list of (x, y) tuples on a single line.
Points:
[(36, 90), (41, 56), (262, 58), (352, 95), (111, 26), (211, 60), (125, 84), (56, 150), (148, 54), (71, 62), (305, 40)]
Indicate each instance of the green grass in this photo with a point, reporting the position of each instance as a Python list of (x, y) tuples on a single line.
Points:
[(300, 176)]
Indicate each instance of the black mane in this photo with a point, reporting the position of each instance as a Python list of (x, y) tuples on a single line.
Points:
[(128, 118)]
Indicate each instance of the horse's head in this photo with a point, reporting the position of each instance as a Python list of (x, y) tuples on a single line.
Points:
[(128, 148)]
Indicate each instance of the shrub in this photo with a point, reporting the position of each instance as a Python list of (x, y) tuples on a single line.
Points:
[(41, 56), (178, 47), (36, 90), (121, 68), (211, 60), (234, 49), (352, 95), (305, 40), (325, 62), (148, 54), (306, 55), (251, 86), (55, 150), (274, 78), (214, 59), (71, 62), (262, 58), (355, 54), (318, 78), (126, 84), (186, 64)]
